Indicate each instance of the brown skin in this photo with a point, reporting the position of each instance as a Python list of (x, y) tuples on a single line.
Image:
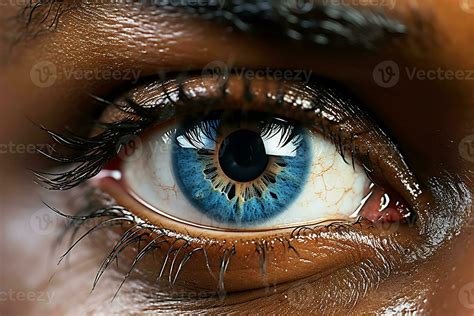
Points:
[(428, 118)]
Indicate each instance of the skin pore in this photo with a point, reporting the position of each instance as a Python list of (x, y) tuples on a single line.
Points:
[(428, 119)]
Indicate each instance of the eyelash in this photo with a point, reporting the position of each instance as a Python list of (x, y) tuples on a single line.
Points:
[(195, 130), (91, 154), (136, 230)]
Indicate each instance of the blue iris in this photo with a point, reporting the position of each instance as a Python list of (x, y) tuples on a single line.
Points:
[(204, 183)]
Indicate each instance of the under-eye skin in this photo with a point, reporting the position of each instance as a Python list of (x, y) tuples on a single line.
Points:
[(229, 235)]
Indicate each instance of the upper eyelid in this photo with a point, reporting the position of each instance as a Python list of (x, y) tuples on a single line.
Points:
[(170, 96)]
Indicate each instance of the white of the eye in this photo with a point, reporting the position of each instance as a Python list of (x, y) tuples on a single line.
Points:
[(272, 142), (205, 142), (334, 189)]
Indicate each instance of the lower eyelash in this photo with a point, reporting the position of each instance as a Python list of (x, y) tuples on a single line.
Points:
[(88, 155), (137, 230), (109, 215)]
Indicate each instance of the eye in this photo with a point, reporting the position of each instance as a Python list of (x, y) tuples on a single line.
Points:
[(233, 162), (274, 180), (244, 170)]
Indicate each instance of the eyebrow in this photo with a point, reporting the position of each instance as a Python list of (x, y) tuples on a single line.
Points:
[(36, 18), (321, 22)]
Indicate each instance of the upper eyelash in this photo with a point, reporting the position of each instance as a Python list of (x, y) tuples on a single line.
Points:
[(289, 132), (270, 127), (90, 154), (194, 133)]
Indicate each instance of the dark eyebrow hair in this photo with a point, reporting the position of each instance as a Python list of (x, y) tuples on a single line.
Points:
[(35, 18), (321, 22)]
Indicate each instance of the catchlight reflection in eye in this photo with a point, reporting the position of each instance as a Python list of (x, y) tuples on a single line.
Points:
[(245, 170)]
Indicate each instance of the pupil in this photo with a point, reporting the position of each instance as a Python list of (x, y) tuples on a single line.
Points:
[(242, 156)]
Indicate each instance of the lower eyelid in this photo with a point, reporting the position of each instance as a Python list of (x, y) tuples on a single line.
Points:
[(258, 260)]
